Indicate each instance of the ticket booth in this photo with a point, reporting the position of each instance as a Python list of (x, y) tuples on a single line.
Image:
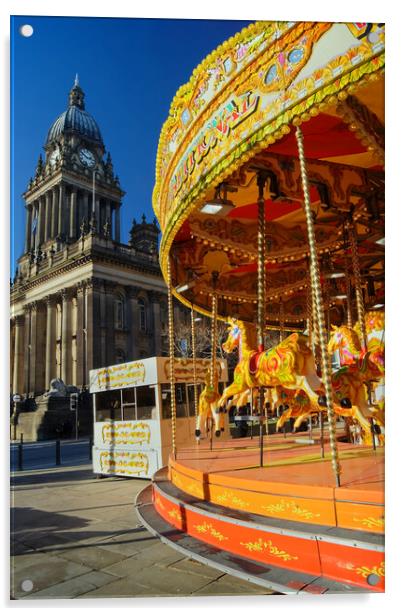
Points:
[(132, 413)]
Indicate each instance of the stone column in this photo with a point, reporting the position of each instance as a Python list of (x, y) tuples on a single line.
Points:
[(41, 219), (73, 214), (18, 355), (37, 215), (93, 324), (109, 216), (107, 211), (81, 336), (50, 366), (61, 209), (48, 215), (133, 323), (28, 227), (65, 336), (54, 222), (27, 334), (88, 210), (154, 298), (103, 324), (97, 214), (32, 349), (110, 338), (117, 223)]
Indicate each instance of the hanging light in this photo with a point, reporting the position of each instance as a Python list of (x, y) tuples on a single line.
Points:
[(219, 205), (329, 271)]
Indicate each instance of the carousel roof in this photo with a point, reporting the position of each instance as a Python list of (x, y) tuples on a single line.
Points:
[(236, 117)]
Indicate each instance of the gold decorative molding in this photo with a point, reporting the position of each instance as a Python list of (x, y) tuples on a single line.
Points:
[(261, 546), (209, 529)]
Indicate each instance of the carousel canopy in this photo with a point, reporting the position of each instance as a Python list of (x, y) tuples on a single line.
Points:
[(234, 123)]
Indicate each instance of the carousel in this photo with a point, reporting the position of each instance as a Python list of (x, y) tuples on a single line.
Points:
[(270, 196)]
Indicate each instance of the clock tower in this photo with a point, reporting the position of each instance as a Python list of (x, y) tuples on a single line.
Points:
[(74, 186), (80, 298)]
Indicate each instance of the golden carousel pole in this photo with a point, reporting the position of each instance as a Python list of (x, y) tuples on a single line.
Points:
[(348, 292), (281, 319), (360, 307), (317, 295), (194, 365), (312, 321), (213, 344), (172, 359), (261, 317)]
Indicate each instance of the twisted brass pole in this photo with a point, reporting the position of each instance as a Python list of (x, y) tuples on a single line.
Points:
[(172, 359), (213, 340), (309, 315), (281, 317), (317, 294), (360, 307), (348, 291), (261, 261), (194, 362)]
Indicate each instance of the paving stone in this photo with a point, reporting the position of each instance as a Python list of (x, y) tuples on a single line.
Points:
[(127, 587), (161, 554), (129, 566), (188, 565), (51, 572), (93, 557), (228, 585), (66, 590), (169, 582)]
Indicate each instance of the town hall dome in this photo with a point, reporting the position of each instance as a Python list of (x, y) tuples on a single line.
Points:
[(75, 119)]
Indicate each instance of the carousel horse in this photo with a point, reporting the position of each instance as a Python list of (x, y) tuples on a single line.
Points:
[(358, 367), (290, 364), (208, 406), (364, 366)]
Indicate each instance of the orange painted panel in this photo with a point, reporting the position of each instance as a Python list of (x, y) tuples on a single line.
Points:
[(360, 516), (271, 505), (353, 565), (275, 505), (269, 548), (342, 563)]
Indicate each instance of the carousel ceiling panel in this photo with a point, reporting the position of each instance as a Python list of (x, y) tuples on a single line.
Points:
[(324, 136)]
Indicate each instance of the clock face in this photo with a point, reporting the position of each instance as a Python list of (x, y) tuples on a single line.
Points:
[(86, 157), (54, 156)]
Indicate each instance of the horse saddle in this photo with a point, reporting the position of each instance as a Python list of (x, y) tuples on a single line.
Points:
[(254, 361)]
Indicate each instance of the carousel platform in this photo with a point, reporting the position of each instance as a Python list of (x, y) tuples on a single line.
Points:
[(284, 525)]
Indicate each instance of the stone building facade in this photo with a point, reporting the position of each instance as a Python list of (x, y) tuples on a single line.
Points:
[(80, 298)]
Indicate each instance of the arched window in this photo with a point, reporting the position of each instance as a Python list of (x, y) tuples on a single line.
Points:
[(142, 314), (119, 312)]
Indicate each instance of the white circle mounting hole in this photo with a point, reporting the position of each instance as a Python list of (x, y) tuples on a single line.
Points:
[(27, 585), (26, 30)]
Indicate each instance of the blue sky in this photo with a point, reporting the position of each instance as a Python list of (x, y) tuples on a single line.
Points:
[(129, 70)]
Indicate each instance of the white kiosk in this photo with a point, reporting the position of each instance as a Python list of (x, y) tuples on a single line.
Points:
[(132, 413)]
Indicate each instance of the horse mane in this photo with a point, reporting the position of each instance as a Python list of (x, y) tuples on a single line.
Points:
[(248, 334), (353, 343)]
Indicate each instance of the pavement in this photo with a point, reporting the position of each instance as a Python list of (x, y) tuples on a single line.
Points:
[(75, 535)]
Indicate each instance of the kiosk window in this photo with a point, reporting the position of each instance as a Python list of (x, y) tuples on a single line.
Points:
[(191, 400), (181, 399), (166, 401), (108, 406), (145, 402), (128, 396), (129, 407)]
